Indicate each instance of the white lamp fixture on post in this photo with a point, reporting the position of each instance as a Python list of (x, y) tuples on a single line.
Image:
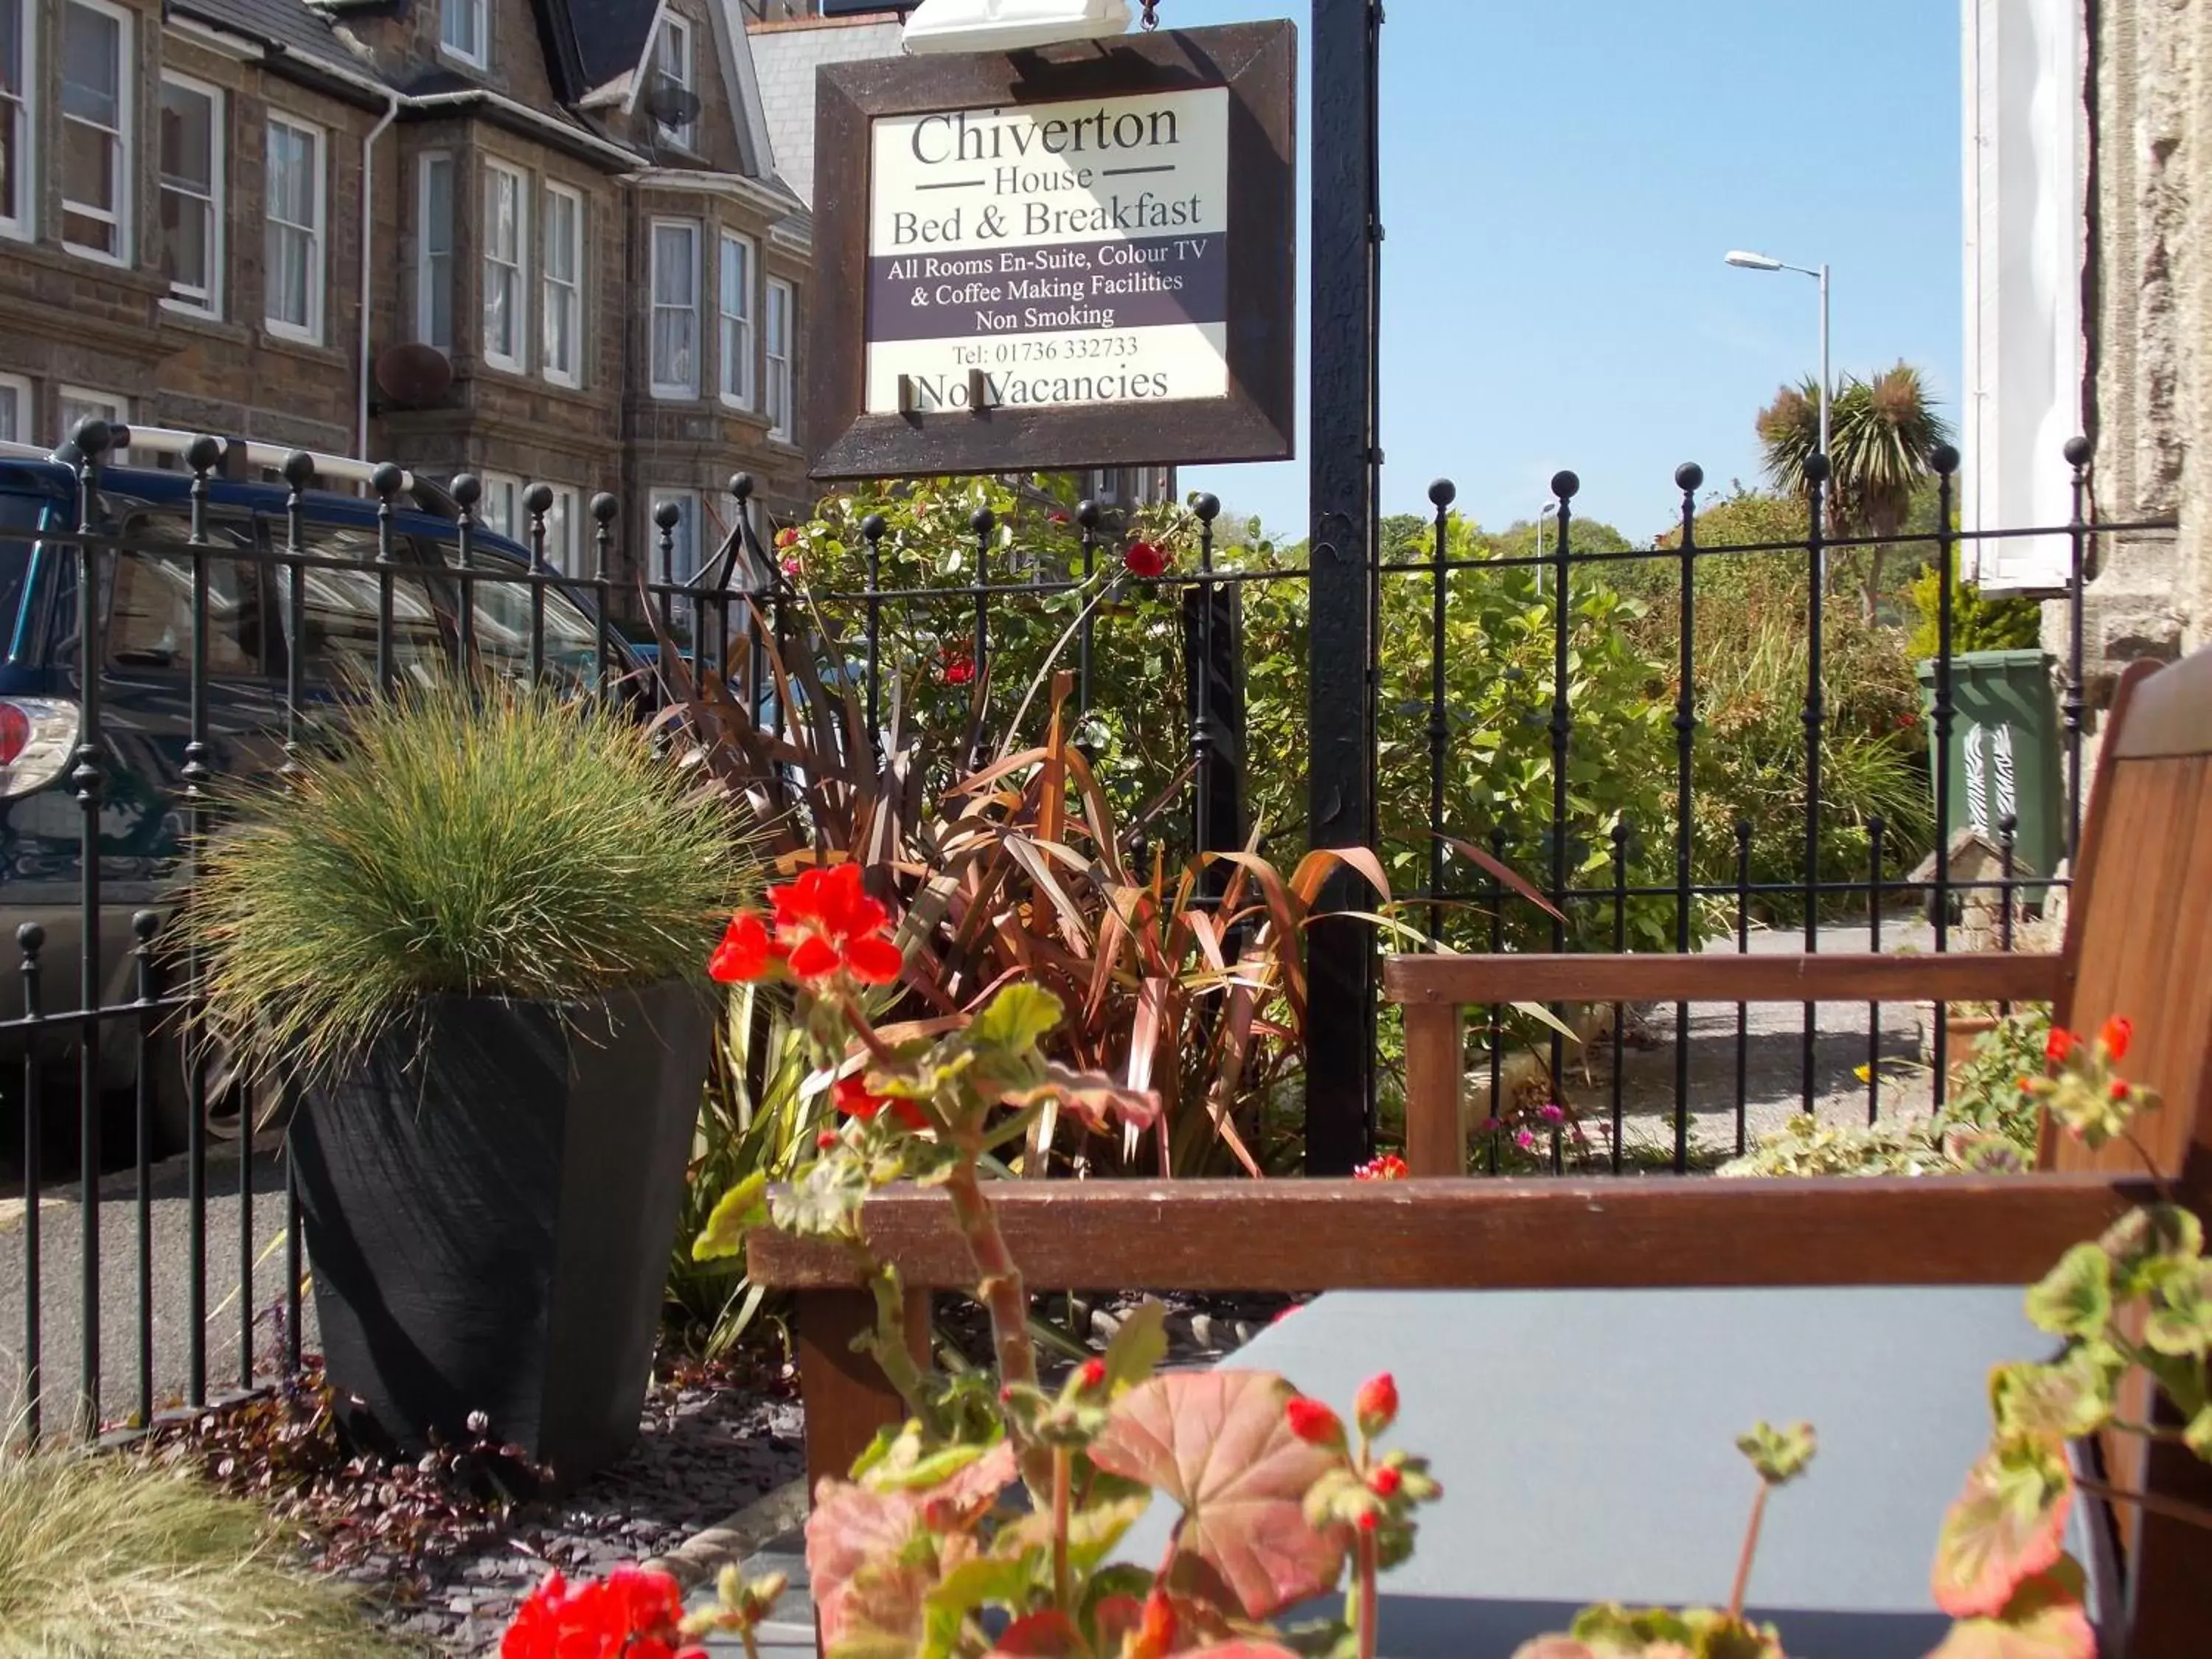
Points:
[(1011, 25), (1743, 261)]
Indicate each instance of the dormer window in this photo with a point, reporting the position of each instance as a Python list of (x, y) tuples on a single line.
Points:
[(672, 69), (464, 30)]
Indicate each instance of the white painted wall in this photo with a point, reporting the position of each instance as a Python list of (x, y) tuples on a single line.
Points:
[(2026, 171)]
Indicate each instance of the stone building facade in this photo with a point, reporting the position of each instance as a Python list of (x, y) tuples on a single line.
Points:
[(542, 241)]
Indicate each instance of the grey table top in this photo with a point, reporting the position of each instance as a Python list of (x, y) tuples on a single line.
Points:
[(1585, 1440)]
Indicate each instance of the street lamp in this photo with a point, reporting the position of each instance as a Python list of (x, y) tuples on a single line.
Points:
[(1544, 513), (1743, 261)]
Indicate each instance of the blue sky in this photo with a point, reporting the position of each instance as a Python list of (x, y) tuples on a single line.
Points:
[(1560, 179)]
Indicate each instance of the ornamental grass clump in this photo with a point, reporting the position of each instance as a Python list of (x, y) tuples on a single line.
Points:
[(101, 1557), (457, 839)]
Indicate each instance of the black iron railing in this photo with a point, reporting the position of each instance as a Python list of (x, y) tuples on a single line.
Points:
[(1606, 881)]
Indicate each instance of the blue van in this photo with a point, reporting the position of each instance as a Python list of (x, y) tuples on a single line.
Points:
[(145, 689)]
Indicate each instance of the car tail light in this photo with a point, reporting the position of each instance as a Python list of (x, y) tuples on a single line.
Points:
[(37, 737)]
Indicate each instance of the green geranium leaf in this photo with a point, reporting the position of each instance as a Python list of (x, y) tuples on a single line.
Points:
[(2045, 1619), (2180, 1321), (1136, 1348), (2075, 1298), (2197, 1436), (1780, 1455), (2064, 1401), (824, 1202), (2007, 1526), (2153, 1232), (738, 1210), (1017, 1019)]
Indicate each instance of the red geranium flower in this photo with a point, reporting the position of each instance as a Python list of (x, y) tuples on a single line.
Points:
[(1314, 1422), (1385, 1481), (1091, 1377), (1060, 517), (2119, 1032), (853, 1098), (1376, 1405), (2061, 1042), (746, 951), (959, 666), (786, 539), (1143, 559), (632, 1614), (831, 926), (1389, 1167)]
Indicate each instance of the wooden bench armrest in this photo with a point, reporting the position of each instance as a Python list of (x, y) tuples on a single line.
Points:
[(1463, 982), (1481, 1234)]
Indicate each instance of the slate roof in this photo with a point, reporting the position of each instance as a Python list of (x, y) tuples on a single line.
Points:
[(784, 58), (610, 35), (290, 24)]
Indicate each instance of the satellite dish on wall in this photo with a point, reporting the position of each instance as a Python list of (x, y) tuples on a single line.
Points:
[(413, 376), (670, 102)]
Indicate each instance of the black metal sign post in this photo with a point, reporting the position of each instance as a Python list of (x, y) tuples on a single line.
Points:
[(1347, 235)]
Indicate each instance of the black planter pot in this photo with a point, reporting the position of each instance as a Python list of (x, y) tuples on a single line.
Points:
[(489, 1202)]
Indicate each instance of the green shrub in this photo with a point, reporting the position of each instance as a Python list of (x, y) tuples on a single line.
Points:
[(1808, 1147), (103, 1558), (1980, 621), (1984, 1093), (480, 841)]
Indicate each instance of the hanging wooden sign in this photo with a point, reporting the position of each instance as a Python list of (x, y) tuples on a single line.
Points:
[(1082, 256)]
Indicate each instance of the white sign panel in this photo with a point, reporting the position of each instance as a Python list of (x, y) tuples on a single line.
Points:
[(1066, 253)]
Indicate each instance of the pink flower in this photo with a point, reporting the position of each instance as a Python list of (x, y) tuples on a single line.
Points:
[(1553, 1112), (1524, 1140)]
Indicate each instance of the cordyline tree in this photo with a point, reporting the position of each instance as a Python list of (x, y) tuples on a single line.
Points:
[(1881, 433)]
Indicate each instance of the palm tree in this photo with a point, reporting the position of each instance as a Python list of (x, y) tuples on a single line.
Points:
[(1881, 435)]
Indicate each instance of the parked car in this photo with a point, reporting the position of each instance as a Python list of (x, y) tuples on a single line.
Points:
[(145, 701)]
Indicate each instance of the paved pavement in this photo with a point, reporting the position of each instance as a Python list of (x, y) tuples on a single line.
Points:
[(61, 1300)]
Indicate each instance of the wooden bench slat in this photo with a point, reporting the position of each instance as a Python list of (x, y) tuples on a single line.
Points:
[(1980, 976), (1479, 1234)]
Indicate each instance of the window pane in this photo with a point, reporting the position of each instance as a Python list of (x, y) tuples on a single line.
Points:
[(92, 71), (438, 204), (291, 176), (675, 274), (11, 414), (339, 646), (188, 138), (461, 26), (88, 175), (150, 600), (11, 47), (188, 190), (435, 306)]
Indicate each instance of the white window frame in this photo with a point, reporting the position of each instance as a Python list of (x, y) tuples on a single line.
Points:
[(564, 530), (496, 174), (431, 276), (478, 12), (737, 325), (22, 117), (207, 302), (109, 406), (781, 306), (672, 389), (674, 41), (317, 231), (26, 409), (500, 508), (561, 295), (123, 139)]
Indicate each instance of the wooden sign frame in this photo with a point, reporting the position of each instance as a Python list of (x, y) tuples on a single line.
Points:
[(1257, 63)]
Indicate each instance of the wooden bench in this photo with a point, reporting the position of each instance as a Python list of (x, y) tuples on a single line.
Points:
[(2139, 942)]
